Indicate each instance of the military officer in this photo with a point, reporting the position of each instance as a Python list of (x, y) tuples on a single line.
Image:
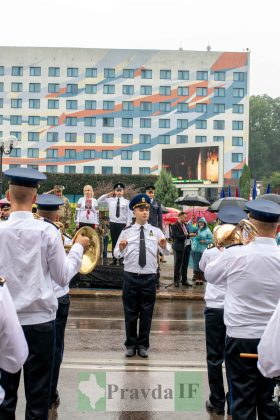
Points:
[(5, 209), (65, 212), (155, 218), (250, 274), (119, 214), (138, 244), (31, 257)]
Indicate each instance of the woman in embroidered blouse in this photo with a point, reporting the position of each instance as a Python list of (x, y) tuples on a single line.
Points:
[(87, 213)]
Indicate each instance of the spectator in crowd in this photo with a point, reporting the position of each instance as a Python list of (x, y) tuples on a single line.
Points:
[(201, 240), (87, 213)]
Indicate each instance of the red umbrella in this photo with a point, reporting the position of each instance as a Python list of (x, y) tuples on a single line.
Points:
[(197, 213), (170, 218)]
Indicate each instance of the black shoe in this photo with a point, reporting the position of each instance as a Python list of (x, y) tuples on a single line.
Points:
[(114, 262), (214, 410), (142, 352), (176, 284), (130, 352), (187, 284)]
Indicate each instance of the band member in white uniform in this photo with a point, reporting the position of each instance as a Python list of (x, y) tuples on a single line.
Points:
[(250, 274), (87, 213)]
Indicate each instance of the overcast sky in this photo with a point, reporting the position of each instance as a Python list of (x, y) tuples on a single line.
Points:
[(227, 25)]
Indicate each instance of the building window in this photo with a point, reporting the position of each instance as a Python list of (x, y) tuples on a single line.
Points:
[(1, 87), (108, 105), (126, 170), (236, 173), (90, 122), (201, 124), (90, 89), (53, 120), (2, 71), (89, 137), (201, 108), (238, 92), (16, 152), (219, 124), (237, 141), (33, 136), (183, 91), (89, 154), (53, 104), (109, 89), (237, 125), (89, 170), (126, 154), (145, 139), (219, 92), (183, 124), (146, 106), (52, 137), (109, 73), (35, 87), (165, 106), (70, 154), (17, 71), (107, 154), (146, 74), (107, 138), (51, 169), (72, 89), (238, 109), (127, 105), (200, 139), (71, 137), (145, 155), (71, 121), (69, 169), (107, 170), (91, 72), (32, 152), (127, 122), (202, 75), (34, 103), (17, 134), (72, 72), (54, 72), (127, 138), (35, 71), (218, 138), (36, 167), (238, 76), (146, 90), (165, 74), (90, 105), (219, 108), (71, 104), (237, 157), (52, 153), (145, 122), (15, 119), (201, 91), (164, 139), (220, 76), (128, 89), (128, 73), (183, 75), (144, 171), (181, 139), (108, 122), (16, 103), (182, 107), (53, 87), (16, 87), (164, 123), (1, 121)]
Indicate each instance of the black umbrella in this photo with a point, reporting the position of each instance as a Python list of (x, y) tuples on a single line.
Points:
[(271, 197), (164, 209), (196, 200), (228, 201)]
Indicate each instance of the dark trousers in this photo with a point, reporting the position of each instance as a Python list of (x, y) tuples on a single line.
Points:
[(139, 296), (250, 392), (115, 229), (60, 324), (215, 335), (105, 246), (181, 262), (82, 224), (37, 375)]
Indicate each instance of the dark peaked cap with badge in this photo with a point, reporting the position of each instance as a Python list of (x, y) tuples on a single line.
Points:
[(49, 202), (232, 214), (119, 185), (150, 188), (25, 177), (139, 200), (264, 210)]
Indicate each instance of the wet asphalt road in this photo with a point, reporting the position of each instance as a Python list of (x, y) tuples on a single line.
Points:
[(94, 342)]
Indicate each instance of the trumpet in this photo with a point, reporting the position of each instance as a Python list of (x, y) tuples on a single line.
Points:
[(227, 234)]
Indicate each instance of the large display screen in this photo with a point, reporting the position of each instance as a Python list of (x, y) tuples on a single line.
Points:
[(192, 165)]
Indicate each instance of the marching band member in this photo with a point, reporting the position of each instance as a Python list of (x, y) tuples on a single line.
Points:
[(31, 256), (5, 209), (251, 276), (215, 329), (87, 213), (138, 244)]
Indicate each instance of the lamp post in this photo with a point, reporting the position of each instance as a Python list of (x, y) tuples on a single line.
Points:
[(6, 146)]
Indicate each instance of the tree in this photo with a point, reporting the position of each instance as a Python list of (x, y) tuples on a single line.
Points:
[(274, 181), (244, 182), (166, 191)]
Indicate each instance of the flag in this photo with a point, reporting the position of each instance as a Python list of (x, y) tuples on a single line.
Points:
[(237, 192), (229, 191), (222, 193), (268, 189), (254, 192)]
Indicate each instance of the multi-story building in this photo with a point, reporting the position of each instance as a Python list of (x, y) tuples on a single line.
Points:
[(127, 111)]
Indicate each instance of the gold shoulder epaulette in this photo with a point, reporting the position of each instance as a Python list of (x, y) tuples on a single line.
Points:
[(2, 281), (210, 246)]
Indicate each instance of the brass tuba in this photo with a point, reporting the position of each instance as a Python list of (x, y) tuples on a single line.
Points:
[(92, 255), (227, 234)]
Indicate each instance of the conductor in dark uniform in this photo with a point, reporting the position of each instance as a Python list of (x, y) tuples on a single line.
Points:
[(155, 218)]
